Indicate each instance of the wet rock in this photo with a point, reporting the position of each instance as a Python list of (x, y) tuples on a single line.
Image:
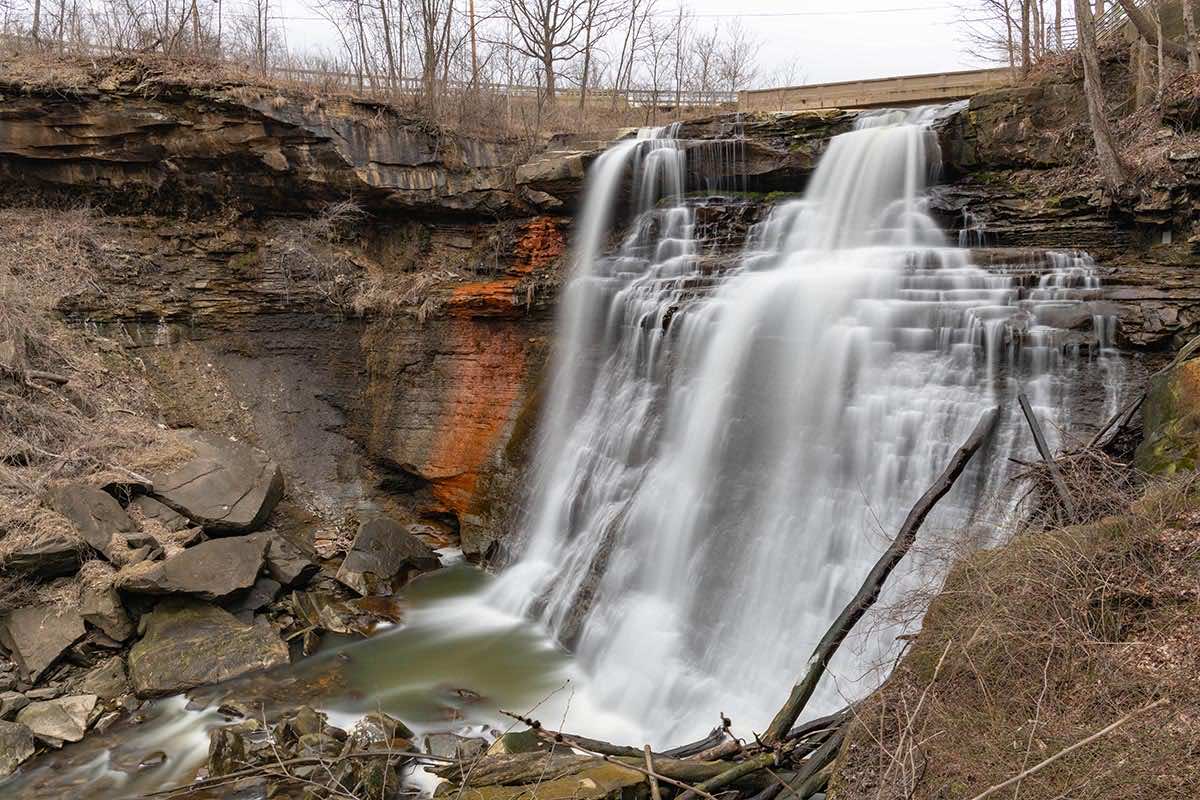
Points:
[(37, 635), (154, 759), (260, 594), (191, 643), (99, 518), (50, 556), (460, 748), (11, 703), (516, 742), (226, 750), (211, 570), (16, 746), (286, 562), (164, 515), (107, 680), (1171, 414), (384, 554), (377, 731), (101, 606), (58, 721), (227, 486)]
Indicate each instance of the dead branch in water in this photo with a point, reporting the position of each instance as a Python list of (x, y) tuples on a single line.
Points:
[(1039, 439), (871, 587)]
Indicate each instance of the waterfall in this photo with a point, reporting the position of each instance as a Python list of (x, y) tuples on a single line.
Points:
[(726, 451)]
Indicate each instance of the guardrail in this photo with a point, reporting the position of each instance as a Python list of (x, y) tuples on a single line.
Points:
[(904, 90)]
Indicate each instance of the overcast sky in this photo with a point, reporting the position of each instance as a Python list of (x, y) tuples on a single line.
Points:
[(816, 40)]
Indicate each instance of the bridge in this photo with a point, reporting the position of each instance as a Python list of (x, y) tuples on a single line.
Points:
[(906, 90)]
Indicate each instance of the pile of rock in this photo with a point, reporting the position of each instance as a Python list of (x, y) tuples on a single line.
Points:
[(179, 584)]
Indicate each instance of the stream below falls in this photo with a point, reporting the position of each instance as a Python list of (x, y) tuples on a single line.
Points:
[(727, 447)]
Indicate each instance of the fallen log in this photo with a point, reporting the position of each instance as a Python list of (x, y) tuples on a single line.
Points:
[(715, 737), (818, 725), (733, 774), (655, 794), (822, 757), (1039, 439), (868, 593), (729, 747)]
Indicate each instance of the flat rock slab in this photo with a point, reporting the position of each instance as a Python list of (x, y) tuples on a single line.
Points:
[(190, 643), (211, 570), (227, 486), (286, 562), (37, 635), (99, 518), (166, 516), (57, 721), (16, 745), (383, 554), (52, 556)]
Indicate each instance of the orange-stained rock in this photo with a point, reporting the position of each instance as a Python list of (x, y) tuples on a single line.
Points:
[(541, 245), (539, 248), (498, 298)]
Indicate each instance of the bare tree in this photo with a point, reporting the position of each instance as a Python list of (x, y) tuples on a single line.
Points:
[(600, 18), (549, 32), (1189, 26), (1111, 167), (737, 61)]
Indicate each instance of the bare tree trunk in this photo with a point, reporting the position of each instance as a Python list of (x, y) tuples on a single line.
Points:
[(1106, 153), (1058, 24), (1026, 60), (389, 51), (1189, 25), (37, 19), (1162, 71), (587, 61), (195, 28), (1147, 31), (474, 55)]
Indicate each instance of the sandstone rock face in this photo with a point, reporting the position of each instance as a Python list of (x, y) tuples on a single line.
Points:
[(226, 487), (1171, 441), (16, 746), (210, 570), (191, 643), (383, 555), (56, 721), (37, 635)]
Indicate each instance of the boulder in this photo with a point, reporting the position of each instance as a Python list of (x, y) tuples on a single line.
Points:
[(16, 746), (189, 643), (51, 556), (164, 515), (286, 562), (383, 555), (260, 594), (1171, 415), (37, 635), (211, 570), (11, 703), (526, 741), (226, 487), (450, 745), (57, 721), (101, 606), (99, 518), (378, 731), (107, 680)]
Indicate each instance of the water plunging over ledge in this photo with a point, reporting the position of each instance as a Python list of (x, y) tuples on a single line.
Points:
[(718, 470), (725, 451)]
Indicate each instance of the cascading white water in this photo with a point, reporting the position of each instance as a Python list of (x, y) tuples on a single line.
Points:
[(724, 457)]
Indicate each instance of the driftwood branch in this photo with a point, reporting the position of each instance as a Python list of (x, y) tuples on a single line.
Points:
[(1060, 486), (1067, 750), (573, 742), (734, 774), (655, 794), (871, 587)]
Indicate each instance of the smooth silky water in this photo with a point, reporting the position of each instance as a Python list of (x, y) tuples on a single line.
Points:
[(724, 454)]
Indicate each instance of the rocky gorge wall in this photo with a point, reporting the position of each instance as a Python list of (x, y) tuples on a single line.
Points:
[(421, 391)]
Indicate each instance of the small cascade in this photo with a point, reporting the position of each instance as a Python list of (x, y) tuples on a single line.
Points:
[(725, 453)]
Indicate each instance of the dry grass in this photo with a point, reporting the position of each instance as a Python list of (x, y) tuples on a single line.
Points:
[(72, 405), (1033, 646)]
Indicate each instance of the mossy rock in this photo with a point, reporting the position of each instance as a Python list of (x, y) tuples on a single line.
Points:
[(1171, 441)]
